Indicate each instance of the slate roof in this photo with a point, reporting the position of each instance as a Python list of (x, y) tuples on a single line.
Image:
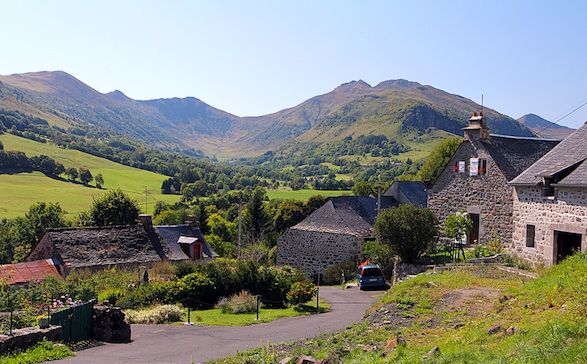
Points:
[(415, 192), (21, 273), (172, 234), (513, 155), (100, 246), (343, 215), (565, 163)]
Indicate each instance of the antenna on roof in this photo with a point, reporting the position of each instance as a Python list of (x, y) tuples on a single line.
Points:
[(482, 105)]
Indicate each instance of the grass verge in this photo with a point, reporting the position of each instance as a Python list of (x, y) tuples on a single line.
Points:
[(468, 315)]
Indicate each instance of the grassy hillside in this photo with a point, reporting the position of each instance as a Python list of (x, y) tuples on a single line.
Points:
[(19, 191), (480, 314)]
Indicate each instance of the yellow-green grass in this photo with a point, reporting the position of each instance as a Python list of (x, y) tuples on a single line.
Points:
[(19, 191), (215, 317), (303, 195)]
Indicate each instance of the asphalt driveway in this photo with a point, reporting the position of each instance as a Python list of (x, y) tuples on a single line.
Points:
[(197, 344)]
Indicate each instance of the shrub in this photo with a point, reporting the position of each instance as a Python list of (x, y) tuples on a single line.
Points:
[(334, 274), (301, 292), (242, 302), (184, 268), (407, 229), (152, 293), (197, 286), (157, 315), (492, 247), (111, 295)]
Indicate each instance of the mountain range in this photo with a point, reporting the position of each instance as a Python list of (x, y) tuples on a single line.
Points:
[(545, 128), (399, 109)]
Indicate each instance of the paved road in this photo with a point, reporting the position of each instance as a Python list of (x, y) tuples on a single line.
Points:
[(197, 344)]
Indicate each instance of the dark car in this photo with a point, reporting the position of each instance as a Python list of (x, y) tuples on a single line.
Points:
[(370, 275)]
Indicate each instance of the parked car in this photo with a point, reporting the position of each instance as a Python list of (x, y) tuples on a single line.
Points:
[(370, 275)]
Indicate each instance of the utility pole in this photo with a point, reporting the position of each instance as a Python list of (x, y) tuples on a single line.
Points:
[(146, 196), (240, 227)]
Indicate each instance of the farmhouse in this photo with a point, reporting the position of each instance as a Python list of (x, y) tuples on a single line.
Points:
[(142, 244), (333, 233), (337, 231), (475, 180), (550, 203)]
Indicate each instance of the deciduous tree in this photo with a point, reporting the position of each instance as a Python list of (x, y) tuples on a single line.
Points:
[(407, 229), (114, 208)]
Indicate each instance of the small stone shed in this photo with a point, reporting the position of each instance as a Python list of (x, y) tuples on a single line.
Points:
[(475, 180), (550, 203), (334, 233)]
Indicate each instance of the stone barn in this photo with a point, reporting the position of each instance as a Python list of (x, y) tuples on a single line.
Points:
[(475, 180), (550, 203), (333, 233)]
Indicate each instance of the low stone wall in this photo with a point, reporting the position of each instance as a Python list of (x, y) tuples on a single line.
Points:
[(27, 337), (401, 271)]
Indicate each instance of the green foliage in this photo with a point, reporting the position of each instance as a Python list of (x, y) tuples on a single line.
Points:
[(458, 225), (42, 352), (114, 208), (99, 180), (162, 314), (408, 230), (301, 292), (242, 302), (491, 248), (159, 292), (363, 189), (197, 286), (18, 236), (438, 159), (339, 273)]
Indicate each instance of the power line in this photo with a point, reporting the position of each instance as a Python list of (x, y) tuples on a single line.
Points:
[(562, 117)]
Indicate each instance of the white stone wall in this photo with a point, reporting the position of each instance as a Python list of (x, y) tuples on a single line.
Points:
[(315, 251), (567, 212)]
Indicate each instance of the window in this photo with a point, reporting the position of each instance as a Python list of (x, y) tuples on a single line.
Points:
[(530, 235), (460, 167), (477, 167), (547, 188)]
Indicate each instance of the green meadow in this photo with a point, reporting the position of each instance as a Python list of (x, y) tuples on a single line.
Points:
[(21, 190)]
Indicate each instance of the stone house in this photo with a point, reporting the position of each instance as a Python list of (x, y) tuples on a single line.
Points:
[(334, 233), (475, 180), (550, 203), (402, 192), (131, 245)]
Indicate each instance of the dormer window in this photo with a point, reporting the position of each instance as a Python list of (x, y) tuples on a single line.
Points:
[(547, 188), (477, 167)]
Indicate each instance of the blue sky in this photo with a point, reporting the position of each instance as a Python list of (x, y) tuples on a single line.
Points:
[(252, 58)]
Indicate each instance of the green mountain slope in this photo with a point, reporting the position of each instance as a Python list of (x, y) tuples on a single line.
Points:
[(394, 108)]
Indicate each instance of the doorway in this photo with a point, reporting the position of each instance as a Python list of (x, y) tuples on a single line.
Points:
[(566, 244), (473, 235)]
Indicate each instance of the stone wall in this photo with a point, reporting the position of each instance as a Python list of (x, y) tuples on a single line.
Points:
[(315, 251), (26, 337), (488, 195), (567, 212)]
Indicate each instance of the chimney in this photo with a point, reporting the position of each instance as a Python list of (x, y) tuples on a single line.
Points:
[(477, 129), (192, 221), (145, 220)]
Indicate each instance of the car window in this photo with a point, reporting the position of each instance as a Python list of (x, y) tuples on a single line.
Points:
[(371, 272)]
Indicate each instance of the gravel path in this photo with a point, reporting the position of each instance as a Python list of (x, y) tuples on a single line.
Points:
[(197, 344)]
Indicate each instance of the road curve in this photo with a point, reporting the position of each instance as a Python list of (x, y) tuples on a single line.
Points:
[(197, 344)]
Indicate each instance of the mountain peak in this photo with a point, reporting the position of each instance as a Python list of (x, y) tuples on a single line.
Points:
[(545, 128)]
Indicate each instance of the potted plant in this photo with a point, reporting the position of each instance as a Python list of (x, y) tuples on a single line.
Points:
[(43, 321)]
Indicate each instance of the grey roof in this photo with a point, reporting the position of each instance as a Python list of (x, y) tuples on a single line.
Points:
[(172, 234), (100, 246), (565, 163), (343, 215), (513, 155), (415, 192)]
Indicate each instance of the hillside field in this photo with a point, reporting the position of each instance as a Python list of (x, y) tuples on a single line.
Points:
[(19, 191)]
